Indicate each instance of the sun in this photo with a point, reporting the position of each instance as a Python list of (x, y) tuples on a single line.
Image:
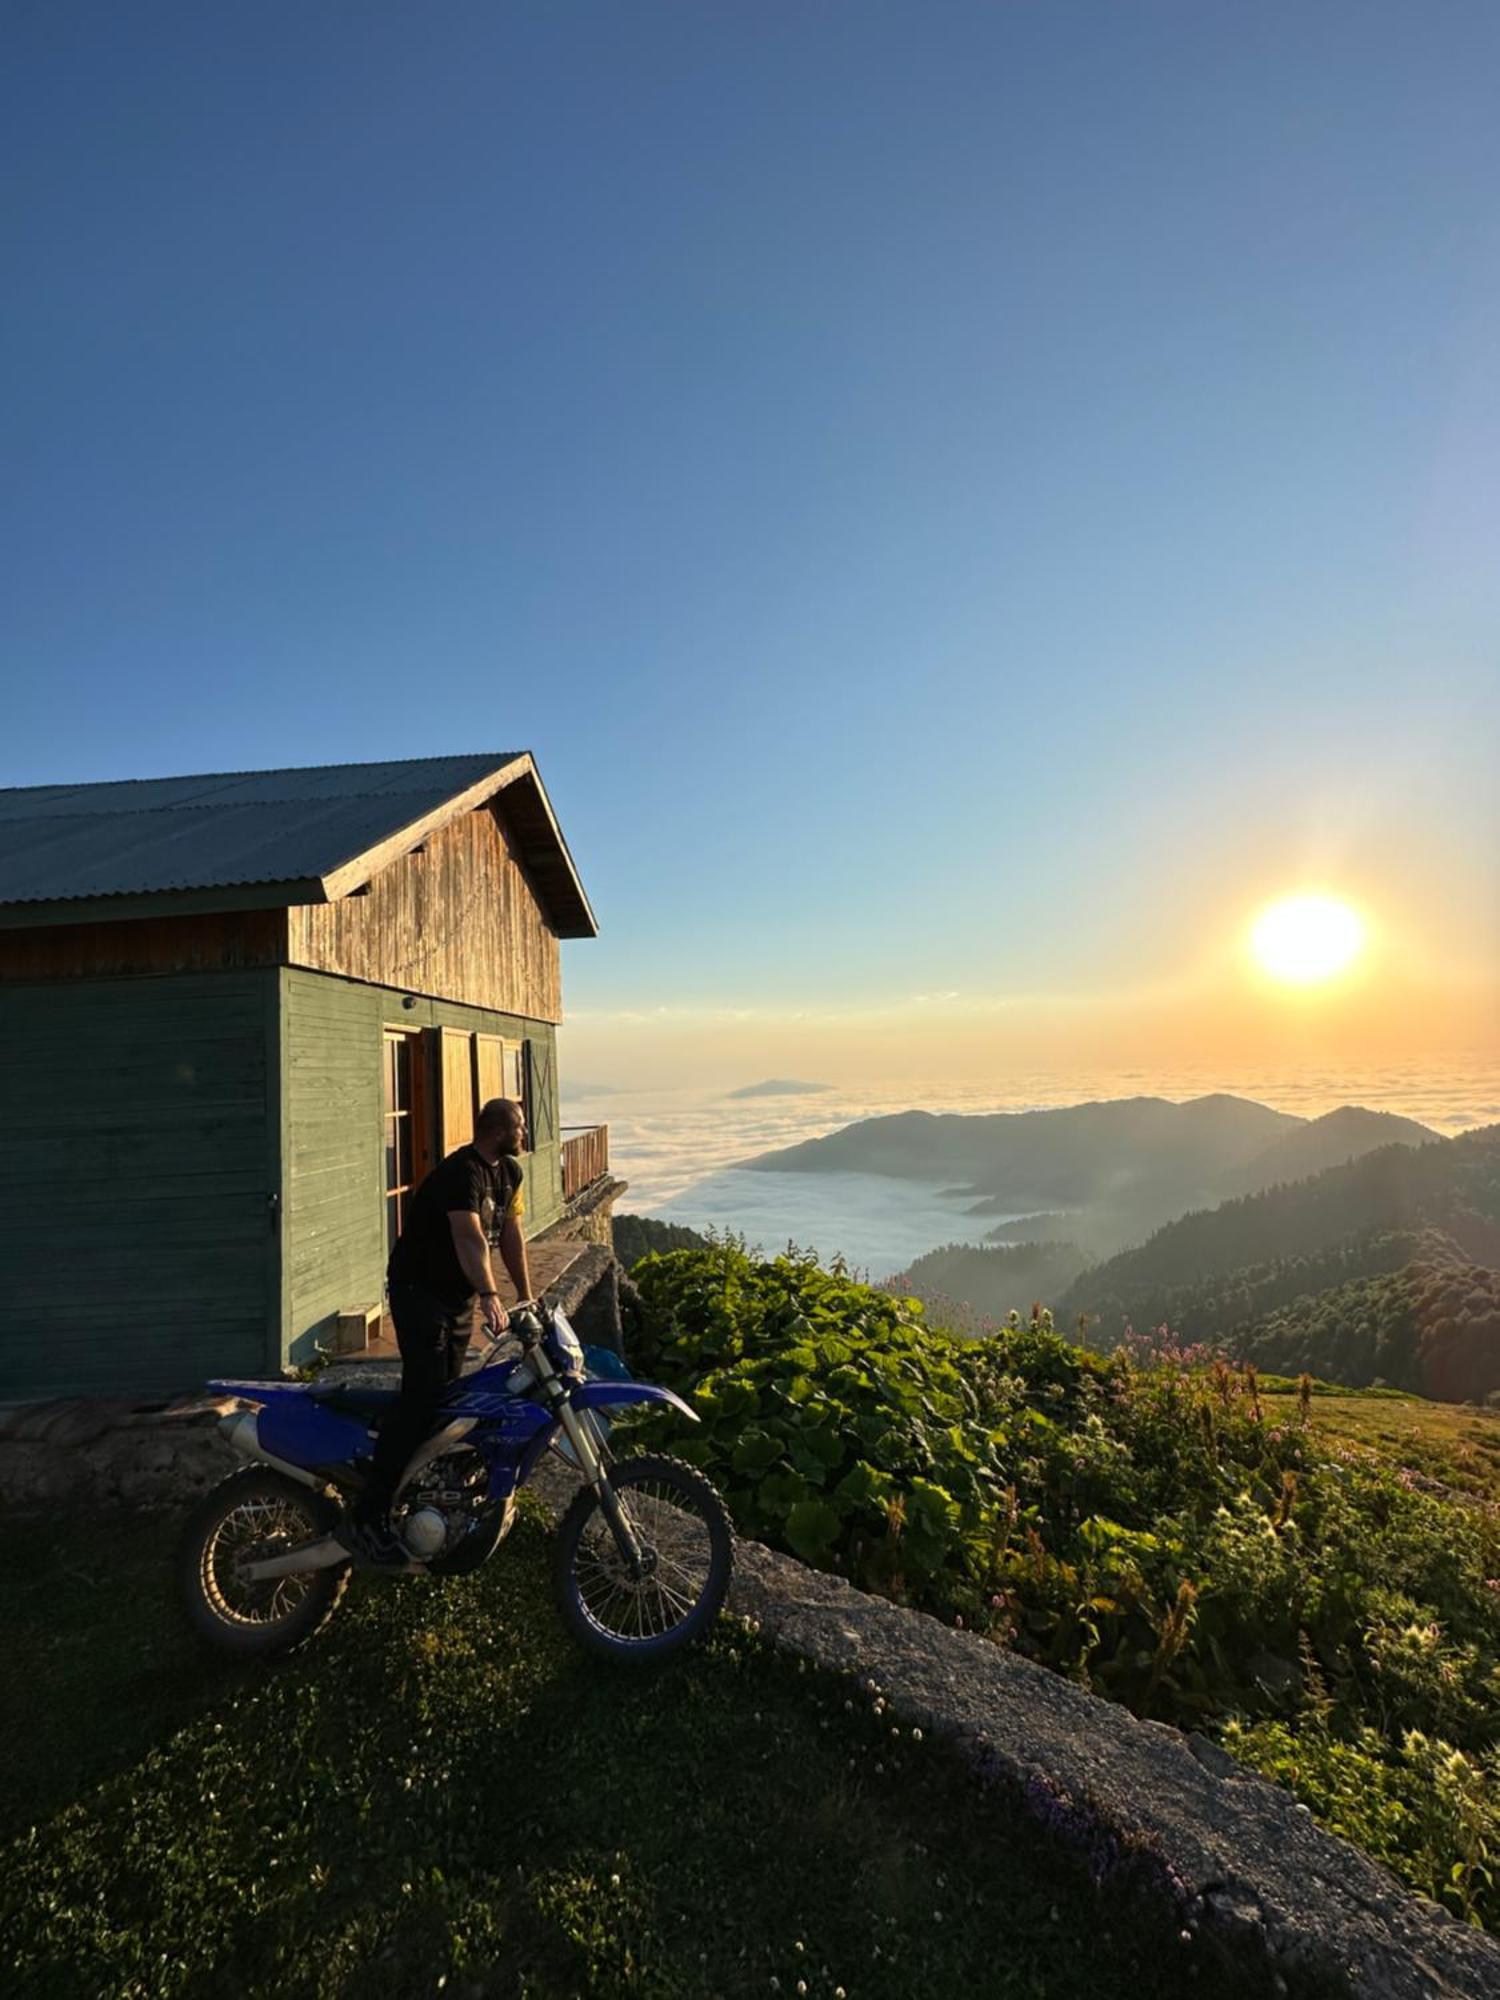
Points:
[(1304, 940)]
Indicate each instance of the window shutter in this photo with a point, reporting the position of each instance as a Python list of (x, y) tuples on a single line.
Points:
[(489, 1068), (457, 1089), (541, 1108)]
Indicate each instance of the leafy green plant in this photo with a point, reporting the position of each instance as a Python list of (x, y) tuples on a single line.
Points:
[(1153, 1525)]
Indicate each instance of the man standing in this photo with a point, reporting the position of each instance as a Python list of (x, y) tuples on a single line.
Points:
[(440, 1263)]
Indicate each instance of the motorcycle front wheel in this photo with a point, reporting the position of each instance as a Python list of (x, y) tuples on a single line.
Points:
[(686, 1540)]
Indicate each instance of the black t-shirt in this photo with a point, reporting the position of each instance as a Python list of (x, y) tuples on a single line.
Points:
[(465, 1183)]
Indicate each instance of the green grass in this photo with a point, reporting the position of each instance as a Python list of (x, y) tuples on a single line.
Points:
[(443, 1796), (1452, 1443)]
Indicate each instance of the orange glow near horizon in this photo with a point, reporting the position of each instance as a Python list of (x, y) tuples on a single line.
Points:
[(1307, 940)]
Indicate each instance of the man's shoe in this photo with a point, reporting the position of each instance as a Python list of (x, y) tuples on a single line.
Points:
[(372, 1544)]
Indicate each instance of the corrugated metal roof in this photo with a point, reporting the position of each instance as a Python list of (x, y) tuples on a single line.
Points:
[(220, 830)]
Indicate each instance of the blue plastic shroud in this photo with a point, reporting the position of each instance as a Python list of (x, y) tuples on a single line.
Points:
[(604, 1363), (508, 1428)]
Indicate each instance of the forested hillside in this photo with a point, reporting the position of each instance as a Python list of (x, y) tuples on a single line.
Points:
[(1214, 1308), (971, 1289), (635, 1236), (1452, 1186), (1433, 1329)]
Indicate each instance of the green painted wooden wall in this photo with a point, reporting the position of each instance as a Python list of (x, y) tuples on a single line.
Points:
[(332, 1137), (138, 1252), (191, 1175)]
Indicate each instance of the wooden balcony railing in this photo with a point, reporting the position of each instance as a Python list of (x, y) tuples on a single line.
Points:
[(585, 1157)]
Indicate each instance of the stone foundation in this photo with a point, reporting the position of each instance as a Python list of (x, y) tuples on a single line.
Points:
[(590, 1216)]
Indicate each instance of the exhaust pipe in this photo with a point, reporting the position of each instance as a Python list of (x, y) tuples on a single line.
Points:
[(322, 1554)]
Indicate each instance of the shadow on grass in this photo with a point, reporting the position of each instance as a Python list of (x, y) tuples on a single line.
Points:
[(444, 1788), (98, 1664)]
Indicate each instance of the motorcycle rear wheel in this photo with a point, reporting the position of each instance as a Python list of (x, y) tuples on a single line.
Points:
[(253, 1514), (682, 1522)]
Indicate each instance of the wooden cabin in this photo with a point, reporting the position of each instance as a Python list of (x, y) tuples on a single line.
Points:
[(240, 1018)]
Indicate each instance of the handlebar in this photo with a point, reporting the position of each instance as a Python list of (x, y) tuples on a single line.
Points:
[(527, 1320)]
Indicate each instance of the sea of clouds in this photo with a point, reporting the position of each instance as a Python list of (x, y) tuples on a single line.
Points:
[(682, 1152)]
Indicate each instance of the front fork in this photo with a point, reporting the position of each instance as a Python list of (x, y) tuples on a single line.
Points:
[(581, 1434)]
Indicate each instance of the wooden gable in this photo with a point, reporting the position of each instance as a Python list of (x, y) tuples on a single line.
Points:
[(457, 919)]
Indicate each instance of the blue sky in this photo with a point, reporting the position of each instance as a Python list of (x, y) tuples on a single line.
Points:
[(959, 499)]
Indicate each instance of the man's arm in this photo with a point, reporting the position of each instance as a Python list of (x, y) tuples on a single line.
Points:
[(473, 1252), (513, 1250)]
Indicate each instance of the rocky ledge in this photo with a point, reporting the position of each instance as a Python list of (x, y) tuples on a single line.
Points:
[(1236, 1854), (1240, 1855)]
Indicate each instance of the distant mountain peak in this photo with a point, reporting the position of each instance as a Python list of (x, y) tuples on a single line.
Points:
[(780, 1086), (1328, 1141)]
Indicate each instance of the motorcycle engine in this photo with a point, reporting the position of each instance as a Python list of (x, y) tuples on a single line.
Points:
[(425, 1533), (442, 1504)]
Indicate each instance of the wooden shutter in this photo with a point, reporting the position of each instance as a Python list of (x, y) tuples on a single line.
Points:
[(457, 1082), (541, 1093), (489, 1068)]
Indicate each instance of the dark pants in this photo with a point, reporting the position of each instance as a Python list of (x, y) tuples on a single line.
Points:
[(433, 1339)]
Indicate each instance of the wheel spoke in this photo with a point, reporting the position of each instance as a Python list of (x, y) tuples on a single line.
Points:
[(253, 1531), (676, 1547)]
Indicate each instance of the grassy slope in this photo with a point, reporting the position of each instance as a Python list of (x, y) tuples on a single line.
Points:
[(1433, 1330), (443, 1790), (1458, 1447)]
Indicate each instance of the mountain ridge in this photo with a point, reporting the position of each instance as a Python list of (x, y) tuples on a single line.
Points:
[(1328, 1141)]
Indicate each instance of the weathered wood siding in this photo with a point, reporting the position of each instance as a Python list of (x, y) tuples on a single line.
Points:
[(227, 940), (333, 1174), (457, 921), (138, 1251)]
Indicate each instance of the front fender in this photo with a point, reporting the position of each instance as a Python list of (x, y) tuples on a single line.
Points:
[(601, 1395)]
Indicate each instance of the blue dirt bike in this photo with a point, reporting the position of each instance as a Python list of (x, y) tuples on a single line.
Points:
[(642, 1557)]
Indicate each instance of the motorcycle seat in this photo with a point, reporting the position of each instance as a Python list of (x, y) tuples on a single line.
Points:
[(356, 1399)]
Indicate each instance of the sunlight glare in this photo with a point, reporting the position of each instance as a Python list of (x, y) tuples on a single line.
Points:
[(1303, 940)]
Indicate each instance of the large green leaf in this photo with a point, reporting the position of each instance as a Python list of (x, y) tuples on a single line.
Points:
[(779, 1492), (735, 1396), (812, 1528), (865, 1485), (755, 1451)]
